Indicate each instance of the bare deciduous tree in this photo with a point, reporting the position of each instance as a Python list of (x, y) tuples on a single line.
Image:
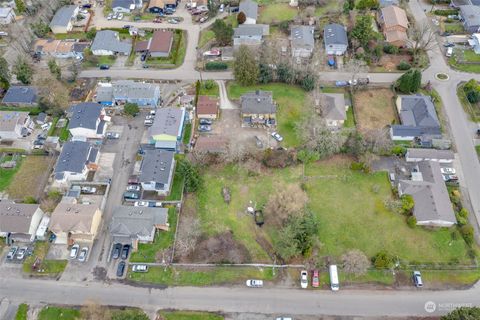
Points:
[(355, 67), (239, 150), (285, 202), (187, 240), (356, 262), (378, 140), (421, 38)]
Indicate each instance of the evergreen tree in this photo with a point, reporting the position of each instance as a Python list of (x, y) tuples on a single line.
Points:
[(245, 68)]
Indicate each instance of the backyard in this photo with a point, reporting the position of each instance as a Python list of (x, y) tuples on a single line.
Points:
[(30, 178), (374, 109), (7, 174), (275, 13), (473, 110), (471, 59)]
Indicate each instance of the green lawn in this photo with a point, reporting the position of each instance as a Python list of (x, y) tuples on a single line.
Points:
[(214, 91), (472, 110), (211, 276), (177, 187), (205, 36), (92, 61), (451, 277), (455, 27), (382, 277), (7, 175), (321, 10), (189, 315), (468, 56), (187, 132), (73, 35), (56, 313), (350, 122), (291, 104), (147, 252), (22, 312), (477, 148), (275, 13), (47, 267)]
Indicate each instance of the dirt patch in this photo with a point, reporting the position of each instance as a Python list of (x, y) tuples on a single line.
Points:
[(389, 62), (219, 249), (374, 109), (100, 274)]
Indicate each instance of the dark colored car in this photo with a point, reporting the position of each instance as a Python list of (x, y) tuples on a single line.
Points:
[(121, 269), (448, 44), (204, 128), (205, 121), (125, 251), (116, 250), (104, 67)]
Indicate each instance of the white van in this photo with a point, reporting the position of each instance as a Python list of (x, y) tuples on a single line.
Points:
[(334, 285), (449, 52)]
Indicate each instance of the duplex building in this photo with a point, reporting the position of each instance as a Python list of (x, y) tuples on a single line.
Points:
[(19, 221), (258, 108), (249, 35), (62, 21), (420, 154), (159, 45), (14, 125), (335, 39), (21, 96), (394, 25), (108, 43), (126, 6), (335, 110), (123, 91), (60, 49), (7, 15), (302, 41), (156, 170), (167, 128), (470, 15), (87, 120), (250, 9), (76, 160)]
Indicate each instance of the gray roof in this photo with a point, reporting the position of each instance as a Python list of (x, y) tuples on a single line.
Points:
[(409, 131), (471, 15), (16, 217), (134, 89), (85, 115), (430, 154), (10, 119), (252, 30), (258, 102), (109, 40), (302, 37), (334, 34), (335, 106), (418, 111), (156, 166), (63, 16), (5, 12), (122, 3), (21, 94), (167, 121), (250, 8), (129, 221), (386, 3), (431, 197), (74, 156), (104, 94)]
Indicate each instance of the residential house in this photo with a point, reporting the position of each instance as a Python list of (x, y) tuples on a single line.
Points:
[(302, 41), (123, 91), (159, 45), (250, 9), (14, 125), (156, 6), (104, 94), (258, 108), (335, 39), (250, 35), (227, 54), (334, 110), (107, 43), (420, 154), (474, 42), (386, 3), (418, 116), (430, 195), (166, 131), (41, 118), (7, 15), (88, 120), (126, 6), (394, 25), (208, 107), (21, 96), (19, 221), (470, 15), (156, 170), (134, 225), (60, 49), (74, 221), (62, 21), (76, 160)]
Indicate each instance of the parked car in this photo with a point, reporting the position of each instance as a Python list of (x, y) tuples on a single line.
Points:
[(222, 7), (205, 122), (204, 128), (74, 251), (203, 19), (104, 67), (448, 44), (121, 269), (141, 204), (254, 283), (116, 250), (83, 254), (11, 252), (120, 16), (173, 21), (446, 170), (417, 279), (450, 177), (304, 279), (150, 117), (133, 180), (315, 279), (131, 195), (115, 16), (341, 83), (127, 26), (89, 190), (148, 122), (21, 253), (125, 251), (112, 135), (140, 268), (110, 16), (133, 187), (153, 112), (449, 52), (277, 136)]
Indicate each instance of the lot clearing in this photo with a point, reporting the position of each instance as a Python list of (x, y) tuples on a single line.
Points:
[(374, 109), (389, 62)]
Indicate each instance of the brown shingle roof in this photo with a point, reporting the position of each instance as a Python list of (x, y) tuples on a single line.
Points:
[(73, 217), (16, 217), (394, 16), (161, 41), (395, 35), (156, 3), (207, 105)]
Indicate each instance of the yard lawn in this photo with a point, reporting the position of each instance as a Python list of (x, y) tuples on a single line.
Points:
[(7, 175), (205, 36), (22, 312), (455, 28), (30, 178), (275, 13), (73, 35), (350, 122), (95, 61), (188, 315), (477, 148), (322, 10), (147, 252), (214, 91), (290, 101), (187, 132), (472, 110), (47, 267), (177, 187), (206, 277), (382, 277), (374, 109), (451, 277), (56, 313)]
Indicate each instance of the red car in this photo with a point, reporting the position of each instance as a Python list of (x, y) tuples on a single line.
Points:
[(315, 280)]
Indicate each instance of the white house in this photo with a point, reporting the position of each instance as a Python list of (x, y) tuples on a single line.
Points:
[(419, 154), (62, 21), (75, 161), (88, 120), (14, 125), (250, 9), (302, 41), (7, 15), (19, 221)]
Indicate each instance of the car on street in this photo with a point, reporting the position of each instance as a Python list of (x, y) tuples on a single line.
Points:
[(125, 251), (112, 135), (446, 170), (104, 67), (304, 279), (83, 254), (205, 122), (140, 268), (450, 178), (150, 117), (172, 21), (277, 136), (449, 52), (148, 122), (204, 128), (116, 250), (448, 44), (74, 251), (121, 269), (89, 190), (417, 279), (11, 252), (140, 204), (133, 187), (252, 283), (127, 26), (131, 195), (110, 16), (153, 112), (315, 279), (120, 16)]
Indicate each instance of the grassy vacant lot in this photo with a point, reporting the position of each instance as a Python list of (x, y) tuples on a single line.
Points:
[(374, 109), (205, 36), (188, 315), (211, 276), (28, 181), (451, 277), (290, 101), (7, 175), (163, 239), (22, 312), (47, 267), (57, 313), (278, 12)]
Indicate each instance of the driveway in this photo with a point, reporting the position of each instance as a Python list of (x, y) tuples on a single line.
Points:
[(225, 103)]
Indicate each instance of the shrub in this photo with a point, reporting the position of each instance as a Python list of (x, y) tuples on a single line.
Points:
[(383, 260), (131, 109), (407, 203), (403, 65), (241, 17), (357, 166), (445, 13), (399, 150), (412, 221), (209, 84), (463, 213), (390, 49), (467, 233), (460, 220), (215, 65), (30, 200)]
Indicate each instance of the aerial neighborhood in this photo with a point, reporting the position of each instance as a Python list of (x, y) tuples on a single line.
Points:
[(166, 159)]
